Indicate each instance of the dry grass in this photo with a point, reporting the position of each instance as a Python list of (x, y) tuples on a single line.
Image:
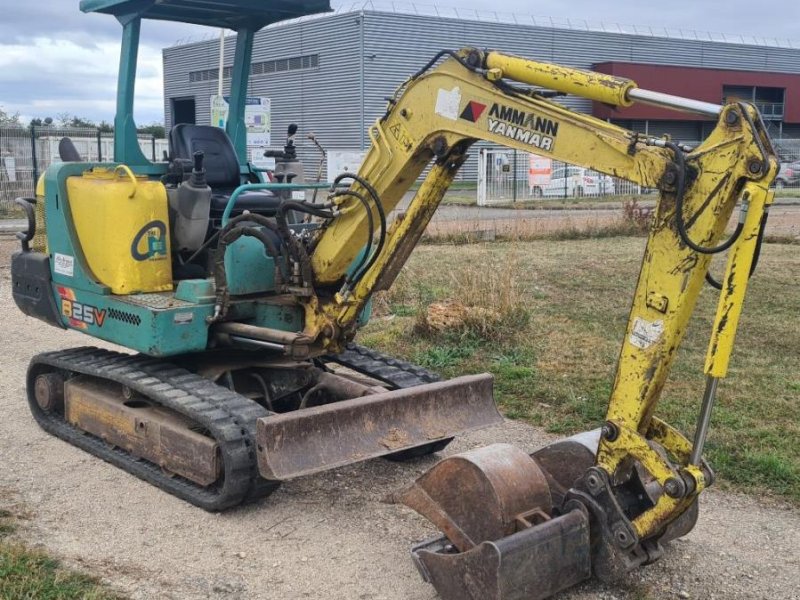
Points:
[(485, 303), (555, 367), (566, 227)]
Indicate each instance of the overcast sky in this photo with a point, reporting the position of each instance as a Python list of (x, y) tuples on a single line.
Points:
[(54, 59)]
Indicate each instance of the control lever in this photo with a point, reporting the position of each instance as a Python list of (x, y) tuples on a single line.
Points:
[(198, 178), (289, 152)]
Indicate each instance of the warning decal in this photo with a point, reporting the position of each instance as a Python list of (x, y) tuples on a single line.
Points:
[(645, 333)]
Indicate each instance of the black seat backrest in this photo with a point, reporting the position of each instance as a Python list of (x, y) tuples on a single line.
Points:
[(67, 151), (221, 163)]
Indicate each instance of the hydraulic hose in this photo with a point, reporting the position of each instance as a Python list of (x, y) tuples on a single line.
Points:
[(681, 224), (680, 189), (756, 254), (296, 248), (381, 214), (230, 233), (370, 224)]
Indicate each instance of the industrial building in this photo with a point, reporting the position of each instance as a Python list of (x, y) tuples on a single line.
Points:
[(332, 73)]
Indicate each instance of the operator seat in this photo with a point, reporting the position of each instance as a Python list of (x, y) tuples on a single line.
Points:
[(222, 168)]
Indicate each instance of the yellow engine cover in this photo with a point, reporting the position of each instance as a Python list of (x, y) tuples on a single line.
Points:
[(123, 229)]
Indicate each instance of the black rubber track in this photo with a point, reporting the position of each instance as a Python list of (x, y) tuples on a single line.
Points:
[(229, 417), (397, 373)]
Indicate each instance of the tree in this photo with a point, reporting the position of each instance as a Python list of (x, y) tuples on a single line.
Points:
[(9, 120), (81, 122), (66, 119), (105, 127), (154, 129), (63, 119), (38, 122)]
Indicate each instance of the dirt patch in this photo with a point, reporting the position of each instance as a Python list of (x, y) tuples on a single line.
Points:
[(327, 536)]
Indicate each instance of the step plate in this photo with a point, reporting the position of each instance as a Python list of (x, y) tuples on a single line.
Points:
[(324, 437)]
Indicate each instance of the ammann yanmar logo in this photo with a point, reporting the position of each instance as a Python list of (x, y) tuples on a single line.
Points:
[(521, 126), (150, 243)]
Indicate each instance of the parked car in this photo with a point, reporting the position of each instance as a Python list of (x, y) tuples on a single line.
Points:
[(566, 181), (788, 175)]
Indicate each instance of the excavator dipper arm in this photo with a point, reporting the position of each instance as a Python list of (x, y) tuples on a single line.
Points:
[(642, 479)]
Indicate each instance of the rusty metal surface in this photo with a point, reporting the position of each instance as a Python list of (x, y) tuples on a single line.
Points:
[(324, 437), (683, 524), (146, 431), (564, 462), (343, 387), (49, 392), (477, 495), (532, 564)]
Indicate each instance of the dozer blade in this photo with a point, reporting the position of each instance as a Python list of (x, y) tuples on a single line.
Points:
[(324, 437), (503, 540)]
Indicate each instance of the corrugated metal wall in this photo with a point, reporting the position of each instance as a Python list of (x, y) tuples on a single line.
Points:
[(328, 100), (325, 100)]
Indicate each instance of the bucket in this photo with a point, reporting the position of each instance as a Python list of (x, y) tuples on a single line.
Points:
[(123, 229)]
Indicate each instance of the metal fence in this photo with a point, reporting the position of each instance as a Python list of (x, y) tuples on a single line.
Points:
[(25, 153), (506, 176)]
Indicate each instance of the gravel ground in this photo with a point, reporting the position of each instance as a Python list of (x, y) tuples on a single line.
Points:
[(322, 537)]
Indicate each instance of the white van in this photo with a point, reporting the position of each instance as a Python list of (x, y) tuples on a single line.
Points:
[(568, 181)]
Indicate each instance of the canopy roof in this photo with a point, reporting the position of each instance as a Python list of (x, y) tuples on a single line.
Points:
[(231, 14)]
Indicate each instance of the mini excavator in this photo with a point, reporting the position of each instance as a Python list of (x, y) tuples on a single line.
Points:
[(242, 299), (205, 266)]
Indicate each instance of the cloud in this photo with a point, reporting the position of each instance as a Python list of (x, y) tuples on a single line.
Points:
[(53, 76), (55, 59)]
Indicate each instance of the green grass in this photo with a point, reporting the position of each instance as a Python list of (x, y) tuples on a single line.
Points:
[(31, 574), (578, 202), (788, 193), (555, 368)]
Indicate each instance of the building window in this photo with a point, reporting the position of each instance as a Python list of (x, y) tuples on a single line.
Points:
[(295, 63), (768, 100)]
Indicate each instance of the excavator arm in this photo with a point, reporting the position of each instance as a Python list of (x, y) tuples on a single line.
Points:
[(643, 477)]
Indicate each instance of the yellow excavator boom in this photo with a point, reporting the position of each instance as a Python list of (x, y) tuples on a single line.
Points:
[(472, 95)]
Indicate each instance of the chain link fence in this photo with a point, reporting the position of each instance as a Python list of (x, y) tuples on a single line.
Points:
[(507, 176), (504, 176), (25, 153)]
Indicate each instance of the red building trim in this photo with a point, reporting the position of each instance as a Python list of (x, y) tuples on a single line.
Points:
[(692, 82)]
